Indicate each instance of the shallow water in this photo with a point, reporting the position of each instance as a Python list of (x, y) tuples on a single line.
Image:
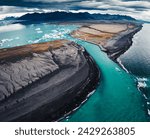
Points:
[(117, 97), (17, 34)]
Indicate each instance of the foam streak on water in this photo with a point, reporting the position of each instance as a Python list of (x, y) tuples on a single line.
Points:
[(137, 62), (120, 63)]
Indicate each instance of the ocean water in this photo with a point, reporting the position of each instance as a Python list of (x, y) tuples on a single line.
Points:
[(17, 34), (137, 61), (117, 97)]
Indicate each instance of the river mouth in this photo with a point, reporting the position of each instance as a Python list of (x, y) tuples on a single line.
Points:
[(115, 99)]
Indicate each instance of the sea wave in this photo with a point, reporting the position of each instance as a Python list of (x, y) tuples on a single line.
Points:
[(142, 79), (148, 112), (117, 69), (40, 31), (55, 34), (141, 82), (123, 67), (5, 42), (37, 29)]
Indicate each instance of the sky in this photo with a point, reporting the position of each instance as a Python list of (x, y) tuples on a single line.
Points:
[(139, 9)]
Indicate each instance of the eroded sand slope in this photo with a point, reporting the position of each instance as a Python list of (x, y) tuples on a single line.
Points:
[(42, 82), (114, 38)]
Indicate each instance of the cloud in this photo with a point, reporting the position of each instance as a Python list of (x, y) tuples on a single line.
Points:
[(12, 27), (48, 1), (115, 4), (135, 8)]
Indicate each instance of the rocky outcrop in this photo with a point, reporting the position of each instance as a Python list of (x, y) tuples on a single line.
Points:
[(42, 82), (121, 43), (113, 38)]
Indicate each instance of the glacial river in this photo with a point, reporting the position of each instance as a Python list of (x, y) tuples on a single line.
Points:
[(119, 95)]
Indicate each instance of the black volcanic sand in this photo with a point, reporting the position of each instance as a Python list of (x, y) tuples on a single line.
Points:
[(45, 81)]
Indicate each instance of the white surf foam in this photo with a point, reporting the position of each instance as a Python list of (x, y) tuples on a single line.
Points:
[(117, 69), (148, 112), (37, 29), (120, 63), (142, 84)]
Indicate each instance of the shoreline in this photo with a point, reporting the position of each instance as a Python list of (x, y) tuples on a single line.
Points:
[(112, 43)]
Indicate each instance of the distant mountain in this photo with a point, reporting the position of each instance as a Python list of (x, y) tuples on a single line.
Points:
[(10, 18), (68, 16), (7, 21)]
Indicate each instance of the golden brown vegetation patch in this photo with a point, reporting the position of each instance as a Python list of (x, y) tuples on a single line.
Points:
[(31, 48)]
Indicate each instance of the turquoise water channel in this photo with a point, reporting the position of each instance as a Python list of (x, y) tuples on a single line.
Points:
[(116, 98)]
